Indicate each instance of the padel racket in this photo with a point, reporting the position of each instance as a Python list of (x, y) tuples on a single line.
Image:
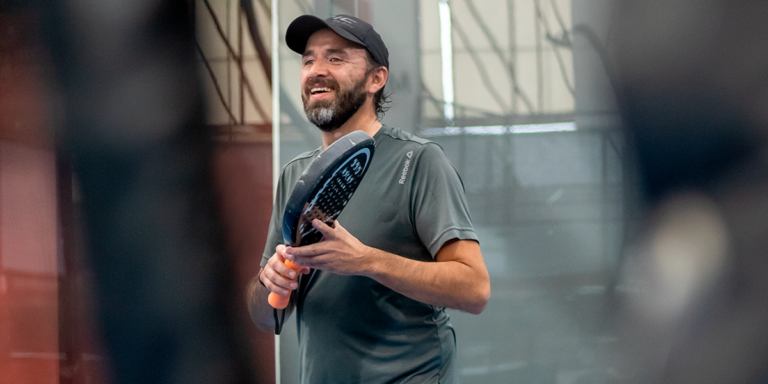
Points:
[(322, 192)]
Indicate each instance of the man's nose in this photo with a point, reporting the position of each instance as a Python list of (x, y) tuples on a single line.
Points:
[(318, 69)]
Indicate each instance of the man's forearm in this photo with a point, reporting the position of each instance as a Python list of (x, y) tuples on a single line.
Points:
[(258, 307), (451, 283), (456, 279)]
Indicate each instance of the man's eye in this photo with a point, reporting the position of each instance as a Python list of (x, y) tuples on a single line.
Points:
[(308, 62), (334, 59)]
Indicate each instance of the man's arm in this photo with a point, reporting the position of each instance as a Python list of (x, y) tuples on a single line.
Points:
[(458, 279), (258, 308), (272, 275)]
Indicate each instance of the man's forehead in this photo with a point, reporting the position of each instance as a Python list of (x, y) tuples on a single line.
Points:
[(329, 38)]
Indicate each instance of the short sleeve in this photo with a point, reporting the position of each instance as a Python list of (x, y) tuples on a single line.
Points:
[(438, 203)]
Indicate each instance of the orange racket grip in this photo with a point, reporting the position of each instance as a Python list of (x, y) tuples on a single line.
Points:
[(279, 301)]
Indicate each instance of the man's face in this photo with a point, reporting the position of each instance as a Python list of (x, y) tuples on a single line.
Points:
[(333, 79)]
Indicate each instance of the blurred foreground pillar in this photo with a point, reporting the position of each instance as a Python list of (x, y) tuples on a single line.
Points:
[(164, 291), (693, 95)]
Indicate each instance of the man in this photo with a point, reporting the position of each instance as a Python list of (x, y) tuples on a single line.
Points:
[(370, 300)]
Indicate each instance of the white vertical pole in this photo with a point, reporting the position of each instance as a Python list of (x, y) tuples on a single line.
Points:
[(275, 98), (276, 137), (446, 48), (277, 360)]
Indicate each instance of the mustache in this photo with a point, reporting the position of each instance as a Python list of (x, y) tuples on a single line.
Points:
[(321, 82)]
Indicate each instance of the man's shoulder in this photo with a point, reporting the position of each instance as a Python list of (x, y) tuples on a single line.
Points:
[(293, 169), (398, 134), (397, 140), (301, 160)]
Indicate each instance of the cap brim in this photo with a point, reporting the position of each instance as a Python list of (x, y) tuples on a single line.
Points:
[(299, 31)]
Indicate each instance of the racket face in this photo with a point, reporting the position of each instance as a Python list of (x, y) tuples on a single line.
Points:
[(326, 187)]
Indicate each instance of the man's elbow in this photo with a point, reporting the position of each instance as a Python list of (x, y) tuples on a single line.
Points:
[(480, 298), (262, 326)]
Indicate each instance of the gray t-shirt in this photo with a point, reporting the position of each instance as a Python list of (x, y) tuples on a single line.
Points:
[(351, 328)]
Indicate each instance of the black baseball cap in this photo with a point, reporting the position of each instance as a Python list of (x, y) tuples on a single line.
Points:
[(348, 27)]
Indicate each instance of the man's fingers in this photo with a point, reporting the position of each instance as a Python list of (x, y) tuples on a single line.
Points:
[(278, 265), (277, 276), (286, 271), (278, 283), (305, 256), (270, 284), (323, 228), (280, 252)]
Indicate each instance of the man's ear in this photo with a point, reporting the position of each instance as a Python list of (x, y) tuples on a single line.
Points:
[(377, 79)]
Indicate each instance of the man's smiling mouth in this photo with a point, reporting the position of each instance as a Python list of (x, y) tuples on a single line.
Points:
[(315, 91)]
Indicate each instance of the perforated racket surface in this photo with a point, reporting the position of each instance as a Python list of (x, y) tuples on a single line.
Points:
[(326, 186)]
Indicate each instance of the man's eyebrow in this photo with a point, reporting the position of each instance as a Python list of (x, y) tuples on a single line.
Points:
[(334, 51)]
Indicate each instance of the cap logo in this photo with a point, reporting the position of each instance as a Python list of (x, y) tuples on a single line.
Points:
[(345, 20)]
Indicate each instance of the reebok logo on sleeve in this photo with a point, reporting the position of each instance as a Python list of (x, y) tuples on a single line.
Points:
[(405, 167)]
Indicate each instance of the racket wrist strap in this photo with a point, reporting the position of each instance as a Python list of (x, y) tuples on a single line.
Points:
[(259, 277), (278, 321)]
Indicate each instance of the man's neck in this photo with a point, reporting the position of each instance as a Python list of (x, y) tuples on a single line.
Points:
[(363, 120)]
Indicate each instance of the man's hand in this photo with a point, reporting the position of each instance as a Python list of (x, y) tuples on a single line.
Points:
[(278, 277), (273, 278), (456, 279), (339, 252)]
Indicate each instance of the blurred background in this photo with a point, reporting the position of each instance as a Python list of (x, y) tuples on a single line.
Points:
[(517, 95), (612, 156)]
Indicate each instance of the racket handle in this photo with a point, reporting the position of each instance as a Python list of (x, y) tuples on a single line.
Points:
[(279, 301)]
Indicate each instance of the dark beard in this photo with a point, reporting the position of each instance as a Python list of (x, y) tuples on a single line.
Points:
[(329, 115)]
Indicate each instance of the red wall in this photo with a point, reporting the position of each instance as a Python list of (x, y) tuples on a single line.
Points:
[(29, 347), (244, 178)]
